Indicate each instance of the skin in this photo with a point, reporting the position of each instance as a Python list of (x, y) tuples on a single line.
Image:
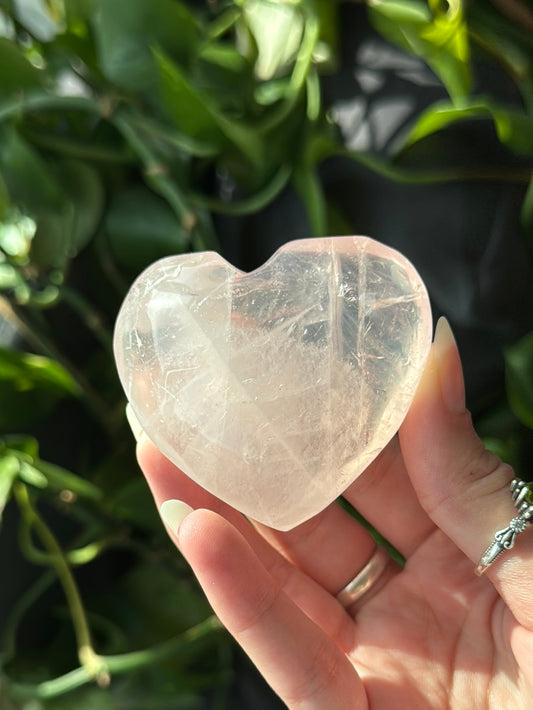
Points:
[(431, 635)]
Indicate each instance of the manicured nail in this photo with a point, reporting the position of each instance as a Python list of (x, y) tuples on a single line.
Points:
[(136, 428), (449, 367), (173, 512)]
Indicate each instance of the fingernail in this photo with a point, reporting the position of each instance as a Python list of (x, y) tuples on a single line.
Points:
[(173, 512), (449, 367), (136, 428)]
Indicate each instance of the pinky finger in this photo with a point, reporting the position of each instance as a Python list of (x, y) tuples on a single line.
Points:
[(303, 665)]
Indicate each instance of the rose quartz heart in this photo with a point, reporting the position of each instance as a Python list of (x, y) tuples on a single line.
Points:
[(275, 389)]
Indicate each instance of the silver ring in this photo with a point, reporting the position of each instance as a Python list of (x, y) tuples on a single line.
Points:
[(504, 539), (365, 579)]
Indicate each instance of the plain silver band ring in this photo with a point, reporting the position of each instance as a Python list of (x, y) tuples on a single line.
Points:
[(365, 579)]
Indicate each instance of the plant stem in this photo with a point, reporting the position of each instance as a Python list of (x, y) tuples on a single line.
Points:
[(117, 664), (90, 317), (92, 664)]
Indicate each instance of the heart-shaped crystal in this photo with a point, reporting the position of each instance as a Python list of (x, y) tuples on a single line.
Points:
[(275, 389)]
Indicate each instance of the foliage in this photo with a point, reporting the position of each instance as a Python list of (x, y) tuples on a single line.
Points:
[(130, 130)]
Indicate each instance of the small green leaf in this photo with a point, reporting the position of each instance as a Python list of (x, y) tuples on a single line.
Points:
[(32, 476), (519, 378), (514, 128), (9, 470), (439, 36)]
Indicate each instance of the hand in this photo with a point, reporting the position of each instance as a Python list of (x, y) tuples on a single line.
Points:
[(432, 634)]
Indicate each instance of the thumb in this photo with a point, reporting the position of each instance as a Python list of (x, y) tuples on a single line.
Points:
[(463, 487)]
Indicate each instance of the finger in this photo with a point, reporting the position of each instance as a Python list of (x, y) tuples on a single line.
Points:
[(167, 482), (463, 487), (297, 659), (385, 497), (330, 548)]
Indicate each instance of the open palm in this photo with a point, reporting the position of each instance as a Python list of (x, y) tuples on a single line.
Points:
[(433, 635)]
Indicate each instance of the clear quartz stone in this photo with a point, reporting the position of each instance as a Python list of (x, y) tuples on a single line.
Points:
[(275, 389)]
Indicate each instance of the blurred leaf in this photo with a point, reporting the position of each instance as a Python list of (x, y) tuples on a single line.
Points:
[(438, 34), (519, 378), (127, 31), (26, 175), (527, 210), (141, 228), (197, 115), (514, 128), (61, 235), (4, 199), (31, 475), (16, 72), (9, 470), (26, 445), (61, 479), (64, 198), (30, 385), (82, 184)]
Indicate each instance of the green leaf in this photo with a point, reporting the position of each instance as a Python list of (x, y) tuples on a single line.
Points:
[(60, 479), (514, 128), (27, 176), (126, 32), (83, 186), (527, 211), (196, 114), (9, 470), (64, 198), (16, 72), (141, 228), (440, 37), (21, 444), (30, 386), (519, 378)]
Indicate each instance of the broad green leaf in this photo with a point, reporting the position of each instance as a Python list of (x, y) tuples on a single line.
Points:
[(141, 228), (64, 198), (514, 128), (439, 36), (82, 184), (197, 115), (519, 378), (27, 371), (126, 32), (27, 176), (9, 470), (16, 72), (30, 386)]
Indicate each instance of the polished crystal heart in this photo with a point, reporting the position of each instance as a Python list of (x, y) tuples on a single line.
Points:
[(275, 389)]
